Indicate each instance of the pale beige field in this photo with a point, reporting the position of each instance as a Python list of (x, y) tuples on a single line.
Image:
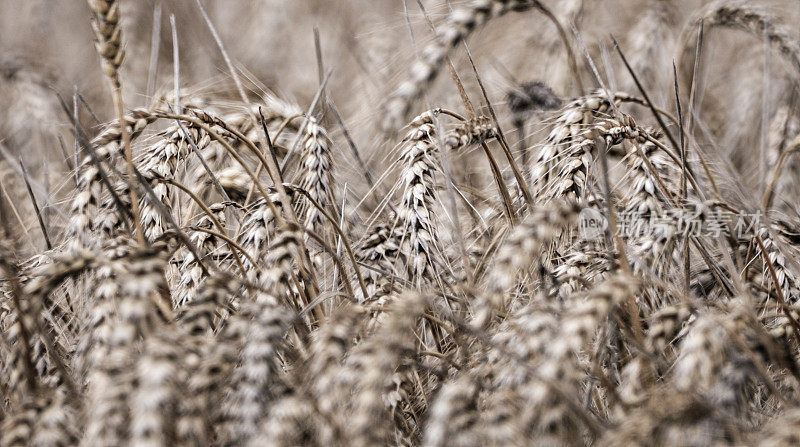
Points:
[(399, 222)]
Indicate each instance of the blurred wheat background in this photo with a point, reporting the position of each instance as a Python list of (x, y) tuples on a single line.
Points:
[(320, 222)]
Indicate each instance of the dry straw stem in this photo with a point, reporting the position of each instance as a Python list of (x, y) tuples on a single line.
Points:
[(521, 183), (272, 168), (42, 225), (341, 234), (769, 192), (16, 213)]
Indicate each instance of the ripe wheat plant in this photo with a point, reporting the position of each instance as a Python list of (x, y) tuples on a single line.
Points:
[(432, 222)]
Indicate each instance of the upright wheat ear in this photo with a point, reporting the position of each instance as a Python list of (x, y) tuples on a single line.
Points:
[(106, 26), (108, 34), (570, 125), (417, 229), (314, 174)]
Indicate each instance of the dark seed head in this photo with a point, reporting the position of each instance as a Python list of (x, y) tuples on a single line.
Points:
[(529, 97)]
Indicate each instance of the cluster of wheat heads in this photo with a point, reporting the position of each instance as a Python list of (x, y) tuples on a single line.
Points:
[(217, 281)]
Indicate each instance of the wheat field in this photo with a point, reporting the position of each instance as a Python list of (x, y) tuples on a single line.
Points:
[(399, 222)]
